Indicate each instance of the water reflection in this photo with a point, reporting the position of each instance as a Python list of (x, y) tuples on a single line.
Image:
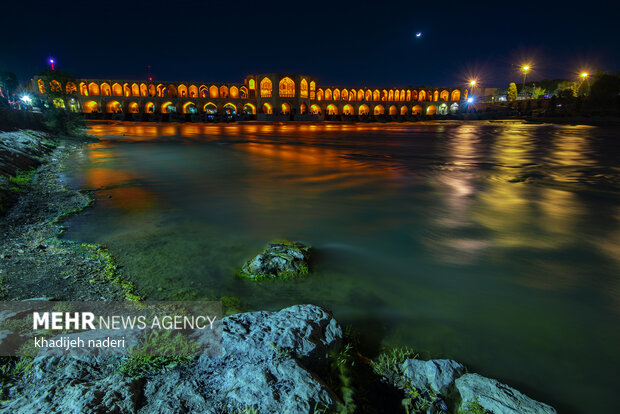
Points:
[(496, 244)]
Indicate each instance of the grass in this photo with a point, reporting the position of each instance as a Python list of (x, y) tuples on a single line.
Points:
[(473, 407), (11, 370), (22, 180), (159, 350)]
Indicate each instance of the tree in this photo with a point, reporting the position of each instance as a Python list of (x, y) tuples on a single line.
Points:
[(8, 82), (512, 91), (58, 119)]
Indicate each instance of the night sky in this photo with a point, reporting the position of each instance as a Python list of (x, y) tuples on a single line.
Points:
[(340, 43)]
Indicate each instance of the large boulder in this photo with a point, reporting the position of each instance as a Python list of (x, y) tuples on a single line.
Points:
[(281, 259), (496, 397), (436, 375), (268, 362)]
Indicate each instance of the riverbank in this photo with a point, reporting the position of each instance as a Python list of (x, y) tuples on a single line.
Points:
[(34, 262), (295, 360)]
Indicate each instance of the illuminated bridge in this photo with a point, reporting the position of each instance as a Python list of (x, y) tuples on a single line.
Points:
[(272, 96)]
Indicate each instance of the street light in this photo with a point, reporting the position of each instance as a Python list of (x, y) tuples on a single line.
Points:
[(584, 75), (525, 69)]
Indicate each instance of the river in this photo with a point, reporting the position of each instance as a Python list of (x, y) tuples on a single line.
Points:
[(493, 243)]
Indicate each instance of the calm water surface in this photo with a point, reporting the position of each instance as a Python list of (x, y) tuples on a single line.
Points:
[(497, 244)]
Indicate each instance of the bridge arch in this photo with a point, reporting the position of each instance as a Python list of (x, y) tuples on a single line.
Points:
[(189, 108), (182, 91), (456, 95), (193, 91), (379, 110), (368, 95), (203, 91), (234, 92), (243, 92), (149, 107), (422, 96), (303, 108), (117, 89), (230, 108), (152, 92), (161, 90), (249, 109), (90, 106), (319, 95), (266, 108), (363, 109), (167, 107), (133, 108), (113, 107), (435, 96), (375, 95), (224, 91), (105, 89), (266, 88), (328, 94), (172, 91), (83, 89), (287, 87), (315, 109), (393, 110), (331, 109), (348, 110), (390, 95), (143, 90), (404, 110), (303, 88), (352, 95), (416, 110), (444, 95), (213, 92), (210, 108), (431, 110), (336, 95), (286, 108), (454, 108), (135, 89), (70, 87), (93, 89)]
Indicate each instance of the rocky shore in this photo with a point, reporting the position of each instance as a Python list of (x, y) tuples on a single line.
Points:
[(297, 360)]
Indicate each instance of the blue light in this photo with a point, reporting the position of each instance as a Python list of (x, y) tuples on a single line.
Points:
[(419, 34), (470, 100)]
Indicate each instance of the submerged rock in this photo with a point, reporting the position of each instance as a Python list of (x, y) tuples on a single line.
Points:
[(268, 362), (496, 397), (281, 259)]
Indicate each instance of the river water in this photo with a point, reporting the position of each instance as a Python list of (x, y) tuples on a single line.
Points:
[(496, 244)]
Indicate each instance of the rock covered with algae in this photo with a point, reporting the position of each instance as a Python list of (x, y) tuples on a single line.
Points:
[(281, 259)]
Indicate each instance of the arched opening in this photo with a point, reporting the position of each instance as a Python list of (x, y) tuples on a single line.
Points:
[(90, 106), (315, 109), (193, 91), (422, 96), (360, 95), (55, 86), (252, 84), (429, 96), (210, 108), (149, 107), (126, 90), (352, 95), (133, 108), (234, 92), (444, 95), (182, 91), (249, 109), (416, 110), (312, 89), (152, 91), (443, 109), (431, 110), (456, 95), (113, 107), (402, 94), (59, 103), (393, 110), (143, 90), (230, 109), (403, 110), (213, 92), (93, 89), (436, 96), (135, 89), (414, 95), (454, 108), (348, 110), (267, 109), (376, 95), (41, 86), (223, 91), (391, 95), (161, 90), (243, 92), (368, 95), (328, 94), (172, 91), (105, 90), (319, 95), (286, 108), (303, 108), (203, 91), (266, 88), (83, 89), (331, 109), (384, 95), (397, 95), (408, 97), (167, 108), (336, 95), (70, 87), (363, 110), (190, 108), (287, 88), (117, 89), (303, 88), (379, 110)]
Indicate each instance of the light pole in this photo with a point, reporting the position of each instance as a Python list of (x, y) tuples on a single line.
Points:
[(525, 69)]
